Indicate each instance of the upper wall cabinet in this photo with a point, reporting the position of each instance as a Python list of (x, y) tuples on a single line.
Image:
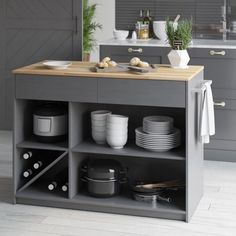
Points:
[(31, 31)]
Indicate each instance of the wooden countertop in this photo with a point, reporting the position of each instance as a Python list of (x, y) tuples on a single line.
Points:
[(83, 69)]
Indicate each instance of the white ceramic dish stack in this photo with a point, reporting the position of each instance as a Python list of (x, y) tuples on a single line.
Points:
[(117, 130), (158, 134), (98, 123)]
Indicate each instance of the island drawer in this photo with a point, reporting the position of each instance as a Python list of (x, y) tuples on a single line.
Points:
[(56, 88), (140, 92)]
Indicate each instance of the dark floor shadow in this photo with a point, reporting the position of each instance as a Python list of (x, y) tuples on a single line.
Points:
[(6, 190)]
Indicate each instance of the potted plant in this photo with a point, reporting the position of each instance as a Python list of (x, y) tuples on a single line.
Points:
[(179, 38), (89, 28)]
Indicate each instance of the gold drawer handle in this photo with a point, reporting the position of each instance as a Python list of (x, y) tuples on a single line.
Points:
[(221, 53), (139, 50), (220, 104)]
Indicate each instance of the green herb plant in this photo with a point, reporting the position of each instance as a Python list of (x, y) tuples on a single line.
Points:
[(89, 27), (183, 32)]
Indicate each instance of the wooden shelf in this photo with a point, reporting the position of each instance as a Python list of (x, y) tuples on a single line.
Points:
[(33, 143), (129, 150)]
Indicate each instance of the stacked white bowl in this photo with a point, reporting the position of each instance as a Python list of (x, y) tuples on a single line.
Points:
[(98, 122), (117, 130)]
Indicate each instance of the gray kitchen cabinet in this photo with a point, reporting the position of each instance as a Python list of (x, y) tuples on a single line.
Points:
[(125, 53), (220, 67), (34, 30)]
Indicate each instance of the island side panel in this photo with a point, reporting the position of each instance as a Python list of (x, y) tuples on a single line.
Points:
[(194, 148)]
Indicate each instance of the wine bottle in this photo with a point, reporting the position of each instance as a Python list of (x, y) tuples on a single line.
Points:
[(37, 165), (52, 186), (149, 21), (27, 155), (64, 187), (27, 173), (140, 18)]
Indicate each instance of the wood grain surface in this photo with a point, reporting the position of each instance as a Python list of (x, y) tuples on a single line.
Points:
[(84, 69)]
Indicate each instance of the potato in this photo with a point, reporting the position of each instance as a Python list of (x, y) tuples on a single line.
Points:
[(135, 61), (102, 65), (112, 64), (143, 64), (106, 59)]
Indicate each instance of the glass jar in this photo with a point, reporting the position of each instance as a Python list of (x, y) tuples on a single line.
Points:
[(142, 31)]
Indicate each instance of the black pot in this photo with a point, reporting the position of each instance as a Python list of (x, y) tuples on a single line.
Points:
[(104, 177)]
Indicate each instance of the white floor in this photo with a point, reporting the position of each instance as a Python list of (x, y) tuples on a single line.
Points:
[(215, 216)]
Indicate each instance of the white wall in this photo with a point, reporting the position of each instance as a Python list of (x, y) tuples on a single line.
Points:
[(105, 15)]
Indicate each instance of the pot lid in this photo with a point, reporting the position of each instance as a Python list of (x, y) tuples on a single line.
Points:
[(104, 169), (50, 109)]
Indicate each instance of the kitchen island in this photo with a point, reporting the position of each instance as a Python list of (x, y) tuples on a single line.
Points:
[(164, 91)]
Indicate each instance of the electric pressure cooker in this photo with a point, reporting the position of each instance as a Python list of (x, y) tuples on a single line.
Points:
[(50, 122)]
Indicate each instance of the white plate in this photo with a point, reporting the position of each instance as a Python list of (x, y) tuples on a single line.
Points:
[(57, 65)]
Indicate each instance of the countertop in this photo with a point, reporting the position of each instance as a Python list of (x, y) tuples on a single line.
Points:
[(83, 69), (197, 43)]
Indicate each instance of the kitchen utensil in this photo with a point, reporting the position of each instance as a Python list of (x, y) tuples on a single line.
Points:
[(158, 124), (57, 65), (159, 28), (150, 197), (117, 141), (104, 177), (120, 34), (157, 142), (176, 19), (98, 125), (117, 130), (50, 122), (165, 184)]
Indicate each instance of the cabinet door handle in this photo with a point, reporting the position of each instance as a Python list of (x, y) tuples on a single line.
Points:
[(139, 50), (220, 53), (220, 104)]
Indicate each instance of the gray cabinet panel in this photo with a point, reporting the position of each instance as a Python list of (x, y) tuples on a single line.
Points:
[(220, 69), (121, 54), (52, 88), (34, 30), (151, 93)]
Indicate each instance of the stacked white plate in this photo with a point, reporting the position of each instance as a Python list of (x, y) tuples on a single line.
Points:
[(158, 124), (158, 134)]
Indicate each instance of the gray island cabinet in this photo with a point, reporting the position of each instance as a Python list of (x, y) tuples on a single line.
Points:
[(162, 92)]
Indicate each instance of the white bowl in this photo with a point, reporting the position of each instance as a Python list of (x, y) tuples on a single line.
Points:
[(99, 137), (120, 34), (99, 115), (99, 123), (159, 28), (117, 119), (116, 133), (117, 142), (99, 129)]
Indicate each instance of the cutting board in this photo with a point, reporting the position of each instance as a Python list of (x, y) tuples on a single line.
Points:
[(124, 67)]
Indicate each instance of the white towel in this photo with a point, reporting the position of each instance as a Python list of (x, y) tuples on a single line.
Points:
[(207, 125)]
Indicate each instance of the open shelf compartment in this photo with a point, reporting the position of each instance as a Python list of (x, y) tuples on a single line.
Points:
[(80, 130), (148, 170), (24, 137)]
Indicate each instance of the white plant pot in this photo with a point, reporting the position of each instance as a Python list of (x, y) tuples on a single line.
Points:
[(179, 59)]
